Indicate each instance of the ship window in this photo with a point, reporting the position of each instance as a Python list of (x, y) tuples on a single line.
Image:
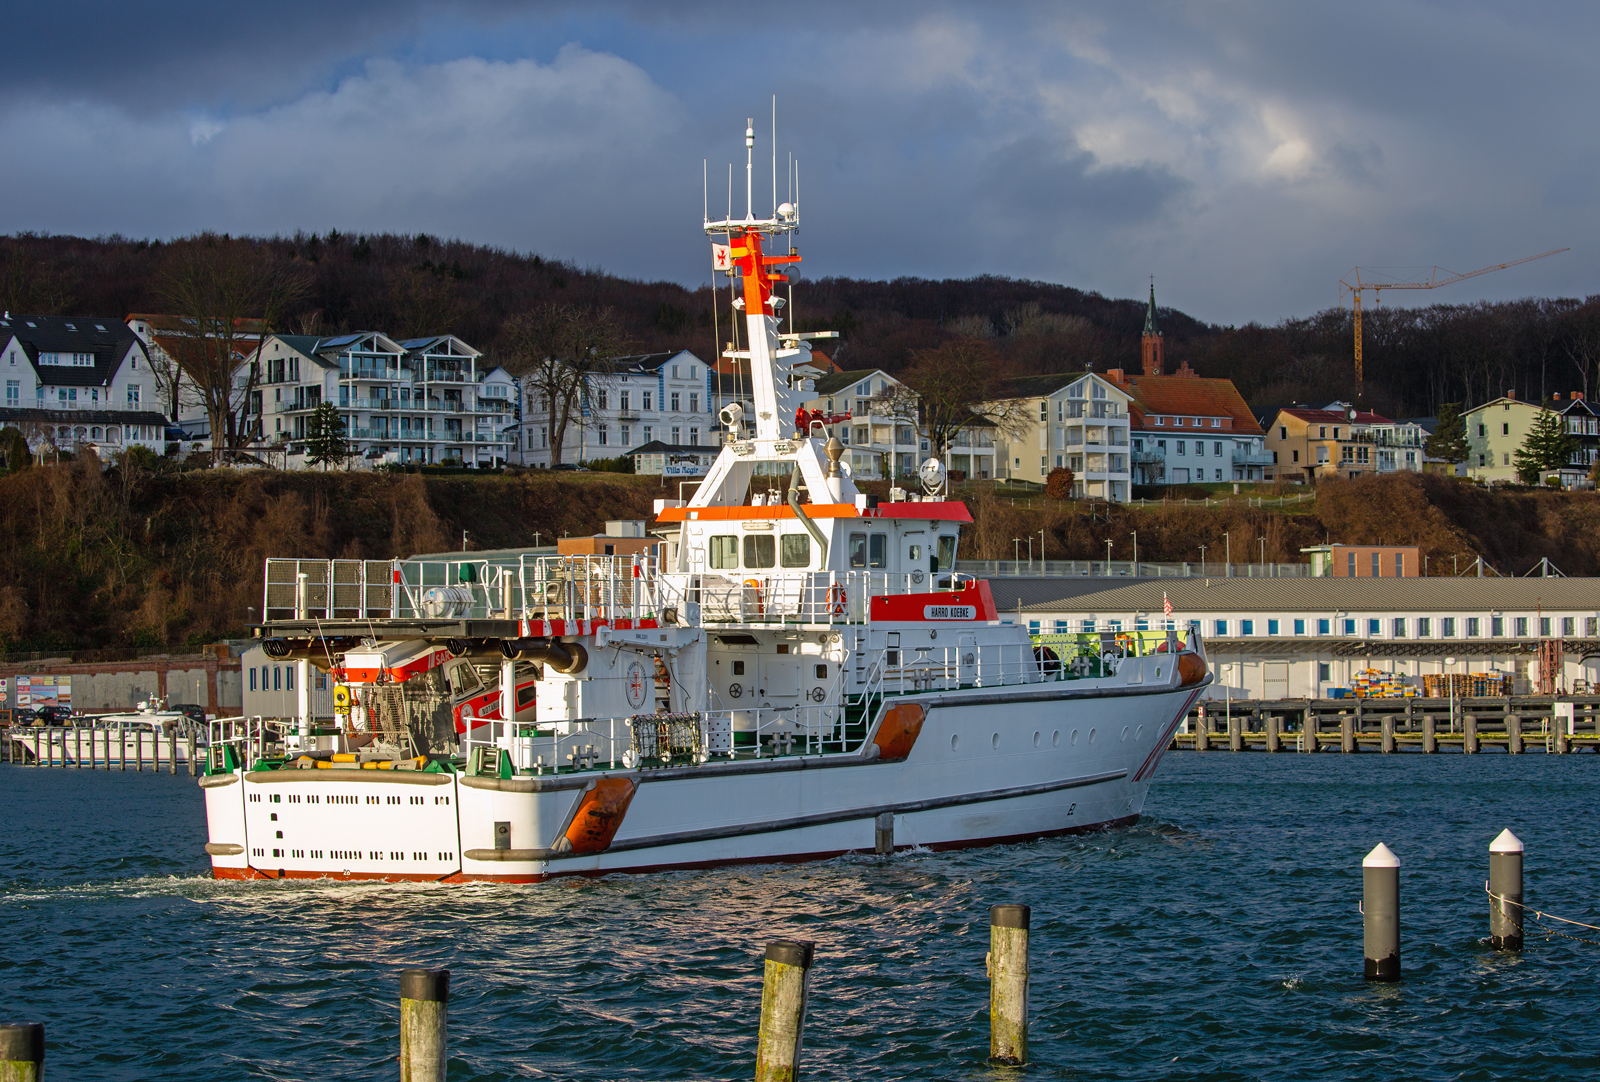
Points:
[(858, 550), (879, 550), (822, 672), (738, 668), (914, 552), (759, 551), (796, 550), (724, 552), (947, 554), (526, 695)]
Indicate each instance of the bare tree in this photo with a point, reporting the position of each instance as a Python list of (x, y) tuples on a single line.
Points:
[(562, 352), (958, 386), (225, 297)]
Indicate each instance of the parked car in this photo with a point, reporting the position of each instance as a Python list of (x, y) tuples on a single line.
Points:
[(23, 715), (193, 711), (570, 466), (52, 714)]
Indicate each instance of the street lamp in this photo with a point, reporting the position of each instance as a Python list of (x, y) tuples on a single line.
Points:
[(1227, 554), (1202, 559), (1016, 555), (1030, 552), (1449, 663), (1135, 551), (1041, 552), (1108, 557)]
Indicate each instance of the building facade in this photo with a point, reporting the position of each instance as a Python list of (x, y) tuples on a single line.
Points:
[(423, 401), (1293, 638), (1080, 422), (666, 398), (1583, 427), (1341, 441), (78, 382), (1496, 430)]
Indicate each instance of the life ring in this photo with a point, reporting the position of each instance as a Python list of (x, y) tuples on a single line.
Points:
[(837, 601), (754, 585), (1048, 660)]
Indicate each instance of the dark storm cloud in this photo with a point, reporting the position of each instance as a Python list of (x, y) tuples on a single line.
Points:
[(1247, 153)]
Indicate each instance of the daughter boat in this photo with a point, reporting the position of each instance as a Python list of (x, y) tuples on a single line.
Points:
[(800, 673)]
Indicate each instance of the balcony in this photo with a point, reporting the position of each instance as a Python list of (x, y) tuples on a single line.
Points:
[(1252, 458)]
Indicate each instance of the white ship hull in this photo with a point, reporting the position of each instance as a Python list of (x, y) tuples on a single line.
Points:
[(985, 768)]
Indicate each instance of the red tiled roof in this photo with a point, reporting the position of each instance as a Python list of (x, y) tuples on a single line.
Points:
[(1188, 396), (1337, 417)]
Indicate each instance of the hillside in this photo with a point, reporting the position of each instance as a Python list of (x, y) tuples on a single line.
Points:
[(1415, 358), (130, 557)]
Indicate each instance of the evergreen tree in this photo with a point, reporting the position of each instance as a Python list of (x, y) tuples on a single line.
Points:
[(1449, 439), (325, 440), (1548, 447)]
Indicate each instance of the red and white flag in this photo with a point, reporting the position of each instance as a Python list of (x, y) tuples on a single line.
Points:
[(1166, 605)]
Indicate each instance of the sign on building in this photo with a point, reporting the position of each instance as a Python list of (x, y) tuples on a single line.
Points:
[(36, 691)]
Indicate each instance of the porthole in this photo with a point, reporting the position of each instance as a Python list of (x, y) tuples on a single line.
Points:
[(1158, 672), (1074, 738), (1138, 734), (1037, 739), (1124, 732), (1055, 739), (994, 741), (955, 741), (1091, 736)]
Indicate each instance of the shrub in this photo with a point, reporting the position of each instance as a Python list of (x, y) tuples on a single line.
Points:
[(1058, 485)]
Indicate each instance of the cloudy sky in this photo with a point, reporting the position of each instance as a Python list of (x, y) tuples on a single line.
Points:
[(1246, 153)]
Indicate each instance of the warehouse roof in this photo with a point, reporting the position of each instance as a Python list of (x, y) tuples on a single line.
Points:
[(1300, 595)]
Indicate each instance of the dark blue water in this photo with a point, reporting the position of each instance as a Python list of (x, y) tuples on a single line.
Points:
[(1218, 939)]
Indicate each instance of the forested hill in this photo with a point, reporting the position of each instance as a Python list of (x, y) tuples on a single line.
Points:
[(1414, 358)]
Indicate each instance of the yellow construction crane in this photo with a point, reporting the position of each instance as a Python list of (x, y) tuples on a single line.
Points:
[(1353, 285)]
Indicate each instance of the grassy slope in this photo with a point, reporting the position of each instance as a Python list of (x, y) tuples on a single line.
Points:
[(134, 558)]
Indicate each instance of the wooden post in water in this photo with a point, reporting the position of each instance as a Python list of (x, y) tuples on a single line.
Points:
[(424, 1003), (122, 749), (1388, 733), (22, 1052), (1235, 734), (783, 1009), (883, 834), (1380, 909), (1308, 731), (77, 746), (189, 741), (1514, 733), (1008, 984), (1430, 740), (1347, 733), (138, 749), (1505, 892), (1272, 732), (1469, 734), (172, 752)]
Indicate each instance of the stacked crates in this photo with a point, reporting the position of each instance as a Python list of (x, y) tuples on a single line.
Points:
[(1380, 684), (1476, 685)]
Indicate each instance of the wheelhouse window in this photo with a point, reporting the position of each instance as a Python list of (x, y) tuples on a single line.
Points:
[(760, 551), (947, 554), (795, 550), (858, 550), (878, 550), (724, 552)]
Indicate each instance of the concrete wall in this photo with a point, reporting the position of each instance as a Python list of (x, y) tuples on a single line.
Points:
[(269, 689)]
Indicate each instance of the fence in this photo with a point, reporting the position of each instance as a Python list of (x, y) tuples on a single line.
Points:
[(1119, 569)]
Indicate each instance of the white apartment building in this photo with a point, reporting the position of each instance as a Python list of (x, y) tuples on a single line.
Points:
[(422, 401), (1077, 421), (651, 398), (78, 381), (1295, 638)]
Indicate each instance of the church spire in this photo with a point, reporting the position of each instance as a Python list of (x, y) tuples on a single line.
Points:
[(1151, 352)]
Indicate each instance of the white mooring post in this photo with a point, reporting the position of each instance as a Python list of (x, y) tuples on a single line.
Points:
[(1505, 892), (1380, 908), (1008, 984), (783, 1010)]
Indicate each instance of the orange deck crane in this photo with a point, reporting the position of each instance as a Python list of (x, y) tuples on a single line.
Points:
[(1353, 285)]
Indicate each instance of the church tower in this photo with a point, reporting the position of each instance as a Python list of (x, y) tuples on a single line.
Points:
[(1150, 344)]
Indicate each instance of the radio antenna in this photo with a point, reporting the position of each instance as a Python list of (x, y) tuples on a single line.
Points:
[(705, 190), (774, 155), (749, 166), (729, 218)]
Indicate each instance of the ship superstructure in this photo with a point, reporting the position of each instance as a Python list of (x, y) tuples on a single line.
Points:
[(800, 673)]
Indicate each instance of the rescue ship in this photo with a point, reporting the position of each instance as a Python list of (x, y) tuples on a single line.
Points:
[(799, 673)]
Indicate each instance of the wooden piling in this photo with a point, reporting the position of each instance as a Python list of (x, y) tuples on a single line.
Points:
[(424, 1004), (1273, 740), (1347, 733), (138, 749), (1469, 734), (1308, 731), (22, 1052), (1430, 738), (1008, 984), (1514, 734), (784, 986), (1235, 734), (1388, 734), (193, 766), (122, 749), (172, 752)]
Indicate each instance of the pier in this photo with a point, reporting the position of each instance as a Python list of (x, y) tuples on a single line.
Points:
[(1556, 725)]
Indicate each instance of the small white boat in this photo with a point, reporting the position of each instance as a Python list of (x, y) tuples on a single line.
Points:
[(150, 733)]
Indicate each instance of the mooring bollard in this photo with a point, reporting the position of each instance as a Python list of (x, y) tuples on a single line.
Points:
[(1469, 734), (424, 1002), (1388, 734), (1505, 892), (190, 745), (1272, 732), (22, 1052), (783, 1009), (1008, 984), (1380, 908)]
